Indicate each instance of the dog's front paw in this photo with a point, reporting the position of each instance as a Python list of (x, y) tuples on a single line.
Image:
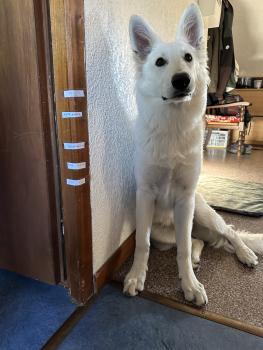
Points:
[(194, 291), (134, 282), (247, 256)]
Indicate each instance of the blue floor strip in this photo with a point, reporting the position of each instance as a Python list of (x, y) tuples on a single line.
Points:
[(117, 322), (30, 311)]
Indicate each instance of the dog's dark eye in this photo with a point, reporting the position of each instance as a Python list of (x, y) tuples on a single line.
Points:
[(188, 57), (160, 62)]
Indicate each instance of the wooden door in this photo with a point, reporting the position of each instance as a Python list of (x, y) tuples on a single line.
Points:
[(29, 191)]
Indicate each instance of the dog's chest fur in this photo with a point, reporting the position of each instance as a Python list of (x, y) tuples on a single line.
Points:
[(169, 136), (169, 143)]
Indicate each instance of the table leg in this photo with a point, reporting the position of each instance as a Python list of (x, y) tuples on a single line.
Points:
[(241, 133)]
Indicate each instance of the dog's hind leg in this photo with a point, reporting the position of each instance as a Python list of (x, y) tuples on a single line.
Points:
[(216, 232), (163, 238), (197, 247)]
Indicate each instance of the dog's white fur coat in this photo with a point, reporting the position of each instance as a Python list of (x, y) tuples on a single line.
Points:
[(169, 138)]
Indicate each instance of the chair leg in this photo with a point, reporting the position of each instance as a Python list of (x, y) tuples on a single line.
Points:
[(241, 133)]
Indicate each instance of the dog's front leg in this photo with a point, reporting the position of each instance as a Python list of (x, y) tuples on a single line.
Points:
[(184, 211), (135, 279)]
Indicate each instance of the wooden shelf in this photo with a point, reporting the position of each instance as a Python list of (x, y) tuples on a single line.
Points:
[(223, 126), (234, 104)]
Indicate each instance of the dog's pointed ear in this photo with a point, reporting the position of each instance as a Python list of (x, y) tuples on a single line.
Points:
[(191, 26), (142, 37)]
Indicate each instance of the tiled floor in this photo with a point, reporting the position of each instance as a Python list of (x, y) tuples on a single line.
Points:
[(247, 167)]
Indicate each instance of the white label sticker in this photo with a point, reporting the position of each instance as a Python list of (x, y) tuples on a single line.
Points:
[(73, 145), (73, 93), (76, 166), (79, 182), (71, 114)]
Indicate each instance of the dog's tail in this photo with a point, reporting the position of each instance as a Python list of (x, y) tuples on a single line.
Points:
[(253, 240), (216, 231), (163, 238)]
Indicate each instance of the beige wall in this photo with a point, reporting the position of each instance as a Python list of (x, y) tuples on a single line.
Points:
[(248, 36)]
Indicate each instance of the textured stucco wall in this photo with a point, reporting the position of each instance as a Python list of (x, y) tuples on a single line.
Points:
[(248, 36), (112, 112)]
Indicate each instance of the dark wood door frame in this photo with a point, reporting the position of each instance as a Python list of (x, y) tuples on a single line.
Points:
[(68, 56), (42, 25)]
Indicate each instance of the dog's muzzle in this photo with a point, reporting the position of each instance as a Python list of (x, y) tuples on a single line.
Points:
[(180, 83)]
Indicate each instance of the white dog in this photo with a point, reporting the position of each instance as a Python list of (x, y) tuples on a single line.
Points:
[(172, 81)]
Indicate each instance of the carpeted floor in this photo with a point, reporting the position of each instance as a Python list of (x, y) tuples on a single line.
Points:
[(117, 322), (233, 290), (30, 311)]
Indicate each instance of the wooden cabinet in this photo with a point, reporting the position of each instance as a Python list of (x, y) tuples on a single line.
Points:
[(255, 97)]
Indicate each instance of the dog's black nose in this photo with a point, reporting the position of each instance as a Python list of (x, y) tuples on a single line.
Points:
[(181, 81)]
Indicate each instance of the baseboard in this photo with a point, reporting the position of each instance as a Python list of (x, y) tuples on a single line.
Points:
[(106, 272)]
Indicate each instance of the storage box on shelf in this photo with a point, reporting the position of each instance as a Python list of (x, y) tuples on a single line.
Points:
[(218, 139)]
